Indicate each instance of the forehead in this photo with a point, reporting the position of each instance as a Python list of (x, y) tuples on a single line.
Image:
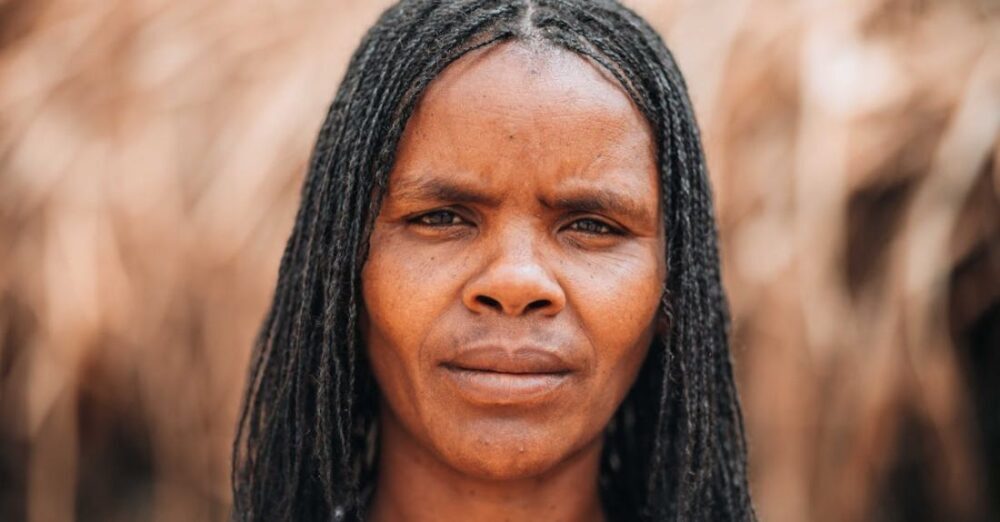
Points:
[(517, 75), (541, 112)]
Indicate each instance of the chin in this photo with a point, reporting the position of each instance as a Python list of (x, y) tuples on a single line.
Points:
[(504, 464), (510, 451)]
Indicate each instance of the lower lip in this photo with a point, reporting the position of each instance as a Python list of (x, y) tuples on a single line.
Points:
[(493, 388)]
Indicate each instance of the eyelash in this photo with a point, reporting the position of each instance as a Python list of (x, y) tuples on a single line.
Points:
[(596, 227)]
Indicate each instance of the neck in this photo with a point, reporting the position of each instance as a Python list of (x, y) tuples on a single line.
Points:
[(414, 485)]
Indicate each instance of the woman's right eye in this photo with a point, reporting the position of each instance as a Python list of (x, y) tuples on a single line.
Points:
[(439, 218)]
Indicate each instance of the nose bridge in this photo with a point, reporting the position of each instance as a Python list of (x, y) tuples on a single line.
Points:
[(517, 244), (515, 277)]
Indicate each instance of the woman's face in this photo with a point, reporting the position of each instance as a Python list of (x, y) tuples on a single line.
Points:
[(517, 263)]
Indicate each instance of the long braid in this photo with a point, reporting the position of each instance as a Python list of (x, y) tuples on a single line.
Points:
[(675, 449)]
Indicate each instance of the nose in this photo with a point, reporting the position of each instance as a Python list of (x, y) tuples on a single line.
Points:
[(514, 281)]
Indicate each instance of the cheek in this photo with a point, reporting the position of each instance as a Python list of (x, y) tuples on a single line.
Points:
[(617, 303), (406, 290)]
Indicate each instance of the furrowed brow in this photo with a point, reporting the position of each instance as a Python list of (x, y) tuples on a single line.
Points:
[(429, 188), (602, 201)]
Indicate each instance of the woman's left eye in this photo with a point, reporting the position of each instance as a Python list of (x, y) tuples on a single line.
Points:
[(593, 226)]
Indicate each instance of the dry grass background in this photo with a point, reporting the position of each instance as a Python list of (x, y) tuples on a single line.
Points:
[(150, 158)]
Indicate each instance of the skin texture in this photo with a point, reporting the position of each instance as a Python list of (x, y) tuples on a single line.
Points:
[(522, 218)]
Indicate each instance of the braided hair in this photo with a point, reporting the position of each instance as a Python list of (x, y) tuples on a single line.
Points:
[(306, 442)]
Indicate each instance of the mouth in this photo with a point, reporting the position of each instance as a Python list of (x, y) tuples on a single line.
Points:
[(501, 376)]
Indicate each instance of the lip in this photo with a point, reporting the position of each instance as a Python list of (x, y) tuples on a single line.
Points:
[(518, 361), (496, 375)]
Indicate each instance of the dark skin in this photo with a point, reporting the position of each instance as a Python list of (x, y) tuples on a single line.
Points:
[(512, 288)]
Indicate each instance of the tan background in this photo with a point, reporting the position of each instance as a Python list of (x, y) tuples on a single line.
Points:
[(151, 153)]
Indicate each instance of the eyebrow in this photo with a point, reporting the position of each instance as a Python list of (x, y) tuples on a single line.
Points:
[(429, 188), (601, 200), (426, 188)]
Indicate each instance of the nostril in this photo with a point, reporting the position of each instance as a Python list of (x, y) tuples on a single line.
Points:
[(489, 301), (496, 305), (541, 303)]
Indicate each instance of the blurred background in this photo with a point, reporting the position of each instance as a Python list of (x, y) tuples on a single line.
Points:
[(151, 153)]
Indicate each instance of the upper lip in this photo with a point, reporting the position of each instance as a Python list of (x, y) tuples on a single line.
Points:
[(519, 360)]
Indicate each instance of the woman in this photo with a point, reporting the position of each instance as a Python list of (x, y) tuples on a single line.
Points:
[(501, 297)]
